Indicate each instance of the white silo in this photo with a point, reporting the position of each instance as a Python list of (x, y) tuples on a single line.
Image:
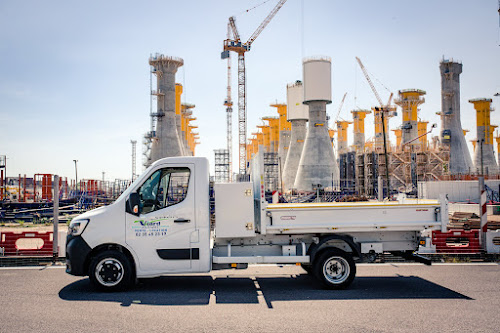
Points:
[(297, 115), (317, 164)]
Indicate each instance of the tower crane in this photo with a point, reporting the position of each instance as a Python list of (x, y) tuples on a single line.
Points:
[(383, 108), (228, 103), (340, 107), (234, 44)]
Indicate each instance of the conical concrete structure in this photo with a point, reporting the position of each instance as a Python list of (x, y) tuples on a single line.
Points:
[(297, 114), (166, 142), (317, 164), (484, 154), (452, 136)]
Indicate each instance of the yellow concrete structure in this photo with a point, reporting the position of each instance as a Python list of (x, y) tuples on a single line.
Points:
[(178, 93), (331, 133), (358, 117), (274, 124), (185, 131), (284, 124), (422, 133), (378, 143), (484, 159), (399, 135), (409, 101), (266, 134), (342, 126)]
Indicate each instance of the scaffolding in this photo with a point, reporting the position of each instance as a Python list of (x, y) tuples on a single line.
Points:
[(221, 166), (271, 171), (406, 169)]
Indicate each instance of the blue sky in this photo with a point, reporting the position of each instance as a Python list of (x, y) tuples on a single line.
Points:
[(74, 75)]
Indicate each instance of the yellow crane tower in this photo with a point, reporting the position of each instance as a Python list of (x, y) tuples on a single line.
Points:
[(240, 48)]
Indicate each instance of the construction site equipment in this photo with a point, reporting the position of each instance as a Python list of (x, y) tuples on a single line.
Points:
[(236, 45), (221, 159), (228, 103), (161, 225), (384, 109)]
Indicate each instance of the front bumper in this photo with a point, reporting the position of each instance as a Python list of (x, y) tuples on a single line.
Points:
[(77, 251)]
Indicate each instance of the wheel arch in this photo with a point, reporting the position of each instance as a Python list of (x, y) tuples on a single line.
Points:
[(110, 246), (316, 249)]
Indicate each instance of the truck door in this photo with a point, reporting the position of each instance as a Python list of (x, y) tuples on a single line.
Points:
[(163, 232)]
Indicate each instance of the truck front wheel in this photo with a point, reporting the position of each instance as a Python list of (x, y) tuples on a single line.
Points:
[(335, 269), (110, 271)]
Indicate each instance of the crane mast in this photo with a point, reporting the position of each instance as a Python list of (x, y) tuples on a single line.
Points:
[(240, 48), (383, 109), (228, 103)]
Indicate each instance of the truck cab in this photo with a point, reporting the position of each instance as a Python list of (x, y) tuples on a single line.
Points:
[(159, 225)]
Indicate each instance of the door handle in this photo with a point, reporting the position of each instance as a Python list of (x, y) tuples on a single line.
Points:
[(182, 220)]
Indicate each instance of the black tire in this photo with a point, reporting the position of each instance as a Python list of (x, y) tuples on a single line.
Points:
[(335, 269), (111, 271)]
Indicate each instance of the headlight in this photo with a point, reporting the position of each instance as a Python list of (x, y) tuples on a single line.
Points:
[(76, 227)]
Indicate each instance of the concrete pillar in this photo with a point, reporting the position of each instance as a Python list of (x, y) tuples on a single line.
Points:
[(451, 126), (166, 142), (398, 132), (409, 100), (318, 164), (422, 130), (284, 133), (342, 145), (484, 153), (378, 143), (298, 136), (358, 117), (178, 118), (297, 115)]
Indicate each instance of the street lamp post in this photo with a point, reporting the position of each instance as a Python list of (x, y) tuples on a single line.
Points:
[(76, 178)]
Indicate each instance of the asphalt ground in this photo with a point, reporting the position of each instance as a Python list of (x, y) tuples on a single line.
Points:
[(383, 298)]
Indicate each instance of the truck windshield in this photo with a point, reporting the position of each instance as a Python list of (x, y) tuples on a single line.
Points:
[(165, 187)]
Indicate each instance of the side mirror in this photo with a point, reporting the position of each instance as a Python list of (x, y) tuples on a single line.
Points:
[(133, 203)]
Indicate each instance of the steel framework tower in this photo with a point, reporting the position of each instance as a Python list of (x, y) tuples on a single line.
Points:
[(134, 171), (240, 48)]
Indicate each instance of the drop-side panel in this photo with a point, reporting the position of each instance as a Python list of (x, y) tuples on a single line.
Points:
[(352, 217)]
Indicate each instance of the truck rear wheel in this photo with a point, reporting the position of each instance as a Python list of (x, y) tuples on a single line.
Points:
[(110, 271), (335, 269)]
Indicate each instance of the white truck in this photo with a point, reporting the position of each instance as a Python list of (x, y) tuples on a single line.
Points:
[(163, 224)]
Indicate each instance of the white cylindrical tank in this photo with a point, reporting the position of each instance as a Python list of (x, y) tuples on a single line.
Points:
[(295, 98), (317, 73)]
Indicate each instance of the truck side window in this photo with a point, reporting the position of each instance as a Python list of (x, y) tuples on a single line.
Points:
[(165, 187)]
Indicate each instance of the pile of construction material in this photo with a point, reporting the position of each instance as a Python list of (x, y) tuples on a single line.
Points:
[(468, 221)]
